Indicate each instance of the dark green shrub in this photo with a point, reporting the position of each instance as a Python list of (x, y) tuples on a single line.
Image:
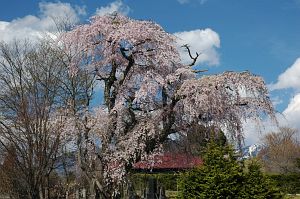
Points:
[(288, 183), (222, 176), (258, 186)]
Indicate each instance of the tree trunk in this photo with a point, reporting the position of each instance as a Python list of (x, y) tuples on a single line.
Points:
[(77, 194), (152, 188), (47, 193), (92, 194), (34, 194), (67, 194), (130, 190), (162, 193), (41, 194), (83, 193)]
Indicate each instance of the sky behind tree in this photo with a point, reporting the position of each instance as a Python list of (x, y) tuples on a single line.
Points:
[(261, 36)]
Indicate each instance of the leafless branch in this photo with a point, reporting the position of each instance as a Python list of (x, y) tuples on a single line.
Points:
[(199, 71), (190, 54)]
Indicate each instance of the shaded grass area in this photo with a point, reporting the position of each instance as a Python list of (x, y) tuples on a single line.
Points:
[(292, 196), (173, 194)]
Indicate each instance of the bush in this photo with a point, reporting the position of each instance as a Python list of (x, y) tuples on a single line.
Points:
[(222, 176), (288, 183), (167, 180), (257, 185)]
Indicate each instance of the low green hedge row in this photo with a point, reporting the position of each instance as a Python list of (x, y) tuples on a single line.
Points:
[(288, 183)]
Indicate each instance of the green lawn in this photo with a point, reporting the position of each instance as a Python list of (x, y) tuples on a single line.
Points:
[(172, 195)]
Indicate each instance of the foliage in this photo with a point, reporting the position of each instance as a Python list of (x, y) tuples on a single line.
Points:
[(288, 183), (167, 180), (148, 95), (219, 176), (222, 176), (258, 185)]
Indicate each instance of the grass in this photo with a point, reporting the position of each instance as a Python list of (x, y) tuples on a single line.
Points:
[(292, 196), (171, 194)]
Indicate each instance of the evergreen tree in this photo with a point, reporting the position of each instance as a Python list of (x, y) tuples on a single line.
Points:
[(256, 185), (223, 176)]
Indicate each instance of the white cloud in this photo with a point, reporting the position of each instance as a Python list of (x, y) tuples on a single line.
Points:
[(276, 101), (34, 26), (205, 42), (289, 117), (116, 6), (81, 10), (292, 112), (60, 10), (254, 131), (289, 78)]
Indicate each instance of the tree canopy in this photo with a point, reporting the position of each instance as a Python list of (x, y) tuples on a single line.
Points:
[(281, 150), (149, 94)]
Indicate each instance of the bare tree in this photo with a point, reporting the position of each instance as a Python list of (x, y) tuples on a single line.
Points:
[(78, 90), (31, 101), (281, 150), (11, 183)]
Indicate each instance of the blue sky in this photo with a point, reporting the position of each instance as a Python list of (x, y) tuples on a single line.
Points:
[(262, 36)]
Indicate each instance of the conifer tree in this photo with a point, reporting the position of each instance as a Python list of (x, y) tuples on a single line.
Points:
[(223, 176)]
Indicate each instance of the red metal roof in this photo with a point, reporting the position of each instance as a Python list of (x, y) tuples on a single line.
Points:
[(169, 161)]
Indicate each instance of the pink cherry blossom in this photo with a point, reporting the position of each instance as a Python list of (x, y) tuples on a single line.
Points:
[(149, 94)]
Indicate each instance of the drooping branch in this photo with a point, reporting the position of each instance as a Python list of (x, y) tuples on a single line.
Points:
[(149, 94), (227, 99)]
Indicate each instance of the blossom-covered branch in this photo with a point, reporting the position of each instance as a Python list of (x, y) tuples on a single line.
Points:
[(149, 94)]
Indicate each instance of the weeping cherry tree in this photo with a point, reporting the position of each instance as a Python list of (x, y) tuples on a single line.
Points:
[(148, 95)]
